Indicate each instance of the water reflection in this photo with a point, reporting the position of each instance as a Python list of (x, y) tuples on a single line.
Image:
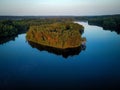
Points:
[(117, 30), (109, 27), (11, 38), (7, 39), (64, 52)]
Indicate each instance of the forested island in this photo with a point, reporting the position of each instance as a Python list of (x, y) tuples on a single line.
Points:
[(60, 35)]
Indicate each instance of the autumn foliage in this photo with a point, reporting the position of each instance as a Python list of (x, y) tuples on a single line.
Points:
[(59, 34)]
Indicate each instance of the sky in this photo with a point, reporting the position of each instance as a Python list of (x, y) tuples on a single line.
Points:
[(59, 7)]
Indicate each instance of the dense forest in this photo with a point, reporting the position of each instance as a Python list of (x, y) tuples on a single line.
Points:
[(10, 28), (59, 34), (107, 22)]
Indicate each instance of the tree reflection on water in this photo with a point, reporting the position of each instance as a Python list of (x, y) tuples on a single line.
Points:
[(64, 52)]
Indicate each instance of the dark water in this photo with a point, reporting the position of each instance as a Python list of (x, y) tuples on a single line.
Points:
[(25, 66)]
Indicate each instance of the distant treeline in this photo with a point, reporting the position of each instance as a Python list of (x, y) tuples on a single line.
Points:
[(81, 18), (33, 17), (107, 22)]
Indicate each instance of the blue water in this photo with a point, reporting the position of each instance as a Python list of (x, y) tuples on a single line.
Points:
[(98, 66)]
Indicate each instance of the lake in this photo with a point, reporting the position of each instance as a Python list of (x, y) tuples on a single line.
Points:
[(27, 66)]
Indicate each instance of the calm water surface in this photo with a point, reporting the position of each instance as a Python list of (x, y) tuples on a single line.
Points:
[(98, 66)]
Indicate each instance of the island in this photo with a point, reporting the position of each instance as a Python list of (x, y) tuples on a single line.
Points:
[(61, 35)]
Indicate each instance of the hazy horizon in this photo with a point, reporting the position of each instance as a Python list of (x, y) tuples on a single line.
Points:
[(59, 7)]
